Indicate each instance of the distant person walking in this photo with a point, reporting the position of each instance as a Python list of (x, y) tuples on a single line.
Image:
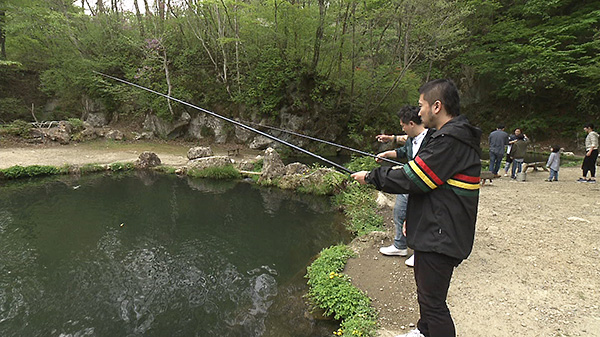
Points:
[(553, 163), (591, 154), (498, 141)]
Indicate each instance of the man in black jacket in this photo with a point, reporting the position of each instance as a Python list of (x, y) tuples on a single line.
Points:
[(443, 184)]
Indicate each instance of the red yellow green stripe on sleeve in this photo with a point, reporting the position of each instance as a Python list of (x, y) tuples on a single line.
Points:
[(464, 184), (422, 175)]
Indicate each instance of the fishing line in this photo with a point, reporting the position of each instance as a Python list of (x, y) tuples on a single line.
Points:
[(328, 143), (231, 121)]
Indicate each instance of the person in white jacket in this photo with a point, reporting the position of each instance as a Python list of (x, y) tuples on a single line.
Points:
[(554, 163)]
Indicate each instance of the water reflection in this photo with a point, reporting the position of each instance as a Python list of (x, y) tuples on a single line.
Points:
[(157, 256)]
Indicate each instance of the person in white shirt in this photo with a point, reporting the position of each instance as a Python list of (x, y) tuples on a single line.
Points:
[(416, 133)]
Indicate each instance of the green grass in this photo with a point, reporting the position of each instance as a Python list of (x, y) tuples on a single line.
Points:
[(333, 292)]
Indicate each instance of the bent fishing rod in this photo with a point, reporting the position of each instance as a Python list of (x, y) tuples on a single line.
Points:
[(231, 121), (328, 143)]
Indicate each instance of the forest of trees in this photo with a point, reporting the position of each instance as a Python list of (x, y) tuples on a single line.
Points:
[(345, 66)]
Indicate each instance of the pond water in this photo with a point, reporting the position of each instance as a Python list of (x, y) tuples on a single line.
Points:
[(153, 255)]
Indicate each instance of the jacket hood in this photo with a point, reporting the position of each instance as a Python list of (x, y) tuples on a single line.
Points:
[(460, 128)]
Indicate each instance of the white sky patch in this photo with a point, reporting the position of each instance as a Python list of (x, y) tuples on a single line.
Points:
[(126, 5)]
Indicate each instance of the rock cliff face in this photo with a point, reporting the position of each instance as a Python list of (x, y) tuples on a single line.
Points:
[(202, 126)]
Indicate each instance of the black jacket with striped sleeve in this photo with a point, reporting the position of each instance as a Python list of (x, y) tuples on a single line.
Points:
[(443, 183)]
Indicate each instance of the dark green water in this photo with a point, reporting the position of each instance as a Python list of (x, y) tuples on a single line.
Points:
[(193, 258)]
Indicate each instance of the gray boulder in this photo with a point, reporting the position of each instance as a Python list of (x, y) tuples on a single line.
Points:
[(147, 159), (272, 165), (206, 162), (296, 168), (203, 126), (199, 152), (114, 135)]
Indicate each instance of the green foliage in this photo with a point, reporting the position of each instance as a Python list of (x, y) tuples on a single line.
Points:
[(18, 128), (16, 172), (266, 84), (359, 205), (165, 169), (12, 108), (258, 165), (363, 163), (332, 291), (121, 167), (91, 168), (537, 56), (224, 172), (76, 123), (332, 182)]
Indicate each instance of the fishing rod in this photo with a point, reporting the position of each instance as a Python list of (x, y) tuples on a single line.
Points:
[(231, 121), (328, 143)]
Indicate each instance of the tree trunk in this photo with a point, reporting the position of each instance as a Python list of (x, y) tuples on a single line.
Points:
[(140, 20), (148, 12), (92, 11), (221, 35), (168, 77), (237, 49), (161, 9), (100, 6), (2, 36), (319, 34)]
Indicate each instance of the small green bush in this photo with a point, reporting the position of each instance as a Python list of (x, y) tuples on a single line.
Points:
[(258, 165), (121, 167), (359, 205), (16, 172), (333, 182), (76, 124), (333, 292), (362, 164), (224, 172), (18, 128), (91, 168), (165, 169)]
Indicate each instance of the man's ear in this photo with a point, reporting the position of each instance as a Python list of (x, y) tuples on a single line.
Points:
[(436, 107)]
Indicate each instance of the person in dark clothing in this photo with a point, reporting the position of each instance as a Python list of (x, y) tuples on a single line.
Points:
[(498, 140), (443, 184)]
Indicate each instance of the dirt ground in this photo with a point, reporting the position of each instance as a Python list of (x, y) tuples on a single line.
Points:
[(534, 270)]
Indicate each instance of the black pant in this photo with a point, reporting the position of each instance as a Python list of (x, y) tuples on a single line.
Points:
[(433, 272), (589, 164)]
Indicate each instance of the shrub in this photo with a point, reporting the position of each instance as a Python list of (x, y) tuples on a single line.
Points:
[(362, 164), (15, 172), (121, 166), (332, 182), (18, 128), (76, 123), (165, 169), (91, 168), (333, 292), (360, 206)]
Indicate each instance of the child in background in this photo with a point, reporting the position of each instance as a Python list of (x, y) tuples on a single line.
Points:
[(554, 163)]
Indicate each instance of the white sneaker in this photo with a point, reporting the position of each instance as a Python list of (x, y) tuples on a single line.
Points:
[(412, 333), (410, 261), (392, 250)]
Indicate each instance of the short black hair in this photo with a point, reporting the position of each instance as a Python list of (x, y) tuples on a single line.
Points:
[(445, 91), (500, 126), (410, 113), (555, 148), (589, 125)]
